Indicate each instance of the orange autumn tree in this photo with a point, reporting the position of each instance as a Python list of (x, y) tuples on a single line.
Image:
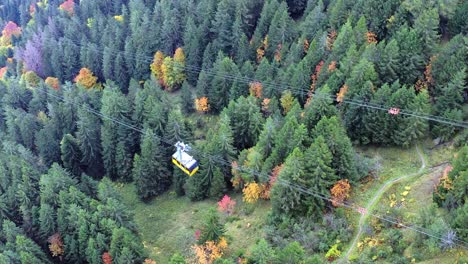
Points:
[(266, 190), (340, 192), (251, 192), (202, 105), (331, 37), (68, 6), (209, 252), (371, 37), (3, 71), (332, 66), (255, 89), (56, 245), (86, 78), (53, 82), (340, 96), (262, 48), (306, 46)]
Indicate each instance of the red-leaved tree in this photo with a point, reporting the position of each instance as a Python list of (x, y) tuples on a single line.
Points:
[(226, 205), (68, 6), (106, 258)]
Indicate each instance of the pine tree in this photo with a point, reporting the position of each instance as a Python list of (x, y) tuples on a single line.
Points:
[(212, 229), (388, 65), (176, 129), (340, 146), (280, 32), (284, 201), (411, 62), (114, 137), (191, 46), (71, 154), (187, 105), (426, 26), (150, 173), (222, 26), (377, 122), (88, 136), (246, 121), (220, 85), (319, 107), (314, 21)]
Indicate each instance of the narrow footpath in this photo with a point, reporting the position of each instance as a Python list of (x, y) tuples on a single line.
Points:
[(376, 197)]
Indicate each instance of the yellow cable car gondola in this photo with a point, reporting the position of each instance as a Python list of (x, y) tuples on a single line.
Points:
[(183, 160)]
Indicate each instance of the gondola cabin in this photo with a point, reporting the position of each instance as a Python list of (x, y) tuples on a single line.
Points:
[(183, 160)]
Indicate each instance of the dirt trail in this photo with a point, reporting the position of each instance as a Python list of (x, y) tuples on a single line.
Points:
[(376, 197)]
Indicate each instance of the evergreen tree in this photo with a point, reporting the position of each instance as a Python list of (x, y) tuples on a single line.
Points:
[(220, 85), (222, 26), (411, 61), (150, 174), (343, 161), (187, 105), (426, 26), (212, 229), (71, 154), (320, 106), (114, 137), (88, 136), (280, 32), (388, 64), (246, 121), (191, 46)]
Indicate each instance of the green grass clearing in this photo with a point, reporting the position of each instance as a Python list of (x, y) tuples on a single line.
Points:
[(167, 224)]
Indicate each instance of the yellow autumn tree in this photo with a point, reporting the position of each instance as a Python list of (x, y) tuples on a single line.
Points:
[(86, 78), (179, 67), (251, 192), (167, 73), (156, 66), (209, 252), (287, 101), (119, 18), (31, 78)]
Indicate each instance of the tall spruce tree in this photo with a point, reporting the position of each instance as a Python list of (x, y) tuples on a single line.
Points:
[(71, 154), (150, 172)]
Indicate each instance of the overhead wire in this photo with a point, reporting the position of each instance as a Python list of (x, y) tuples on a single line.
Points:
[(245, 80), (281, 88), (285, 183)]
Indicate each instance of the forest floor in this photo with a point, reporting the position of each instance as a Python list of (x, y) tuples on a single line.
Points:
[(167, 224)]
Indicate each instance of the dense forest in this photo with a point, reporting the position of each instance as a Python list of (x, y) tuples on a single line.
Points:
[(275, 98)]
